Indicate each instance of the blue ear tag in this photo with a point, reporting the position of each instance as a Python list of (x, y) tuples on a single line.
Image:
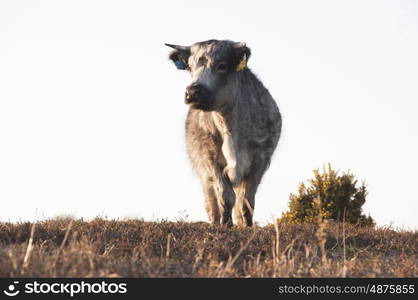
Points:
[(180, 65)]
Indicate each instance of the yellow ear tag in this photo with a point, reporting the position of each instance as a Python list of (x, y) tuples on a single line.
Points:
[(242, 64)]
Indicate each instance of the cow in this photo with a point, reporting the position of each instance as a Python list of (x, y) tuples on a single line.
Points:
[(232, 128)]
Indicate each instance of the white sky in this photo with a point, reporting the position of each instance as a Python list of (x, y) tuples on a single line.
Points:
[(92, 113)]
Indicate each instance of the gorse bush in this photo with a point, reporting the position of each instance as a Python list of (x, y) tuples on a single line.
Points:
[(328, 196)]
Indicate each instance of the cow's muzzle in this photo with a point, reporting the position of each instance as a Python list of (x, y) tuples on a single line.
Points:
[(198, 96)]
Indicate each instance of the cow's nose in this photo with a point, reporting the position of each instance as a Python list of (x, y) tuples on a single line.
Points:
[(193, 92)]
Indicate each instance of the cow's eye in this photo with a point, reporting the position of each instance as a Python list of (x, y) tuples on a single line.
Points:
[(222, 67)]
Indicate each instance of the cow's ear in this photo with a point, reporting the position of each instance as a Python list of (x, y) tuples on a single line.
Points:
[(180, 56), (180, 59), (241, 54)]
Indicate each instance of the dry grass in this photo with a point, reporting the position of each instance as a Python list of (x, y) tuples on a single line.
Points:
[(135, 248)]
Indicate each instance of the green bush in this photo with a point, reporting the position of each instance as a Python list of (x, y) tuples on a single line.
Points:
[(328, 196)]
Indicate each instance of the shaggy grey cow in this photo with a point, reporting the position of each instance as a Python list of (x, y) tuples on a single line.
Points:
[(232, 128)]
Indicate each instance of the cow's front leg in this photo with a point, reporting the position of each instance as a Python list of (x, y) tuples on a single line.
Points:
[(245, 194), (226, 198), (244, 208), (211, 201), (236, 163)]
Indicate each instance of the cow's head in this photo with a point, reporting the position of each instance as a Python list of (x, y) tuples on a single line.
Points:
[(214, 66)]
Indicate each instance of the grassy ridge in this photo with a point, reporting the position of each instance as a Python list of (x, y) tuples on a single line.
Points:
[(135, 248)]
